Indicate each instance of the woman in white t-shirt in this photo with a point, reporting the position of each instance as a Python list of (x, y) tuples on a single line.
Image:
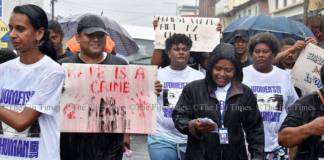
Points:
[(30, 90), (169, 143), (273, 89)]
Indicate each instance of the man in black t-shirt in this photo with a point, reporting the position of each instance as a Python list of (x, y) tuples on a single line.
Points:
[(303, 126), (56, 34), (239, 39), (91, 35)]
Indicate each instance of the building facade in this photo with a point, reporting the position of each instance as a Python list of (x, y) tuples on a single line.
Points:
[(294, 10), (188, 11), (230, 10), (207, 8)]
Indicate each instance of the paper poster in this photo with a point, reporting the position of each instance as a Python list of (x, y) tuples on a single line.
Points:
[(306, 72), (202, 31), (108, 99)]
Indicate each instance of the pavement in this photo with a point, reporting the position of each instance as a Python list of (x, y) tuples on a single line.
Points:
[(139, 147)]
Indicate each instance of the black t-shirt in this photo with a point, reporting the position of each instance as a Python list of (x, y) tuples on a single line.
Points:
[(85, 146), (67, 54), (247, 62), (305, 110), (195, 59)]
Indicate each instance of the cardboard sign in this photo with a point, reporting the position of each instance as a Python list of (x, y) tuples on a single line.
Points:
[(306, 72), (108, 99), (202, 31)]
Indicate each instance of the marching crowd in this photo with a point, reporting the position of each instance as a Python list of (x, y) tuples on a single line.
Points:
[(244, 106)]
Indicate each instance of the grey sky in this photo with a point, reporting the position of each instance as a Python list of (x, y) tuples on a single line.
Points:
[(128, 12)]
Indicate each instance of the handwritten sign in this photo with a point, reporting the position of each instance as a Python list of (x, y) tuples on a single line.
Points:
[(306, 72), (108, 99), (202, 31)]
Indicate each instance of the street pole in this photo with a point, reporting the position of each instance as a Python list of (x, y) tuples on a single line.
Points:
[(52, 2), (196, 9), (52, 9), (305, 18)]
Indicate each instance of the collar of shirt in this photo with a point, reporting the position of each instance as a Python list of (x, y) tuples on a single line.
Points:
[(225, 88), (63, 51)]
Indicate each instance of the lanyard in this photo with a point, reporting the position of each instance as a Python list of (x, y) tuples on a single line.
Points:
[(222, 108)]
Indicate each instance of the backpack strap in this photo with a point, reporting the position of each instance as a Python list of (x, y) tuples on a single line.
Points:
[(320, 95)]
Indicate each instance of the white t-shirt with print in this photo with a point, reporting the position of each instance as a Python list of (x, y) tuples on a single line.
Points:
[(39, 87), (173, 82), (274, 92)]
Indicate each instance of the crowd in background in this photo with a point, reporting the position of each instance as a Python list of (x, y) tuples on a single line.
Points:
[(243, 106)]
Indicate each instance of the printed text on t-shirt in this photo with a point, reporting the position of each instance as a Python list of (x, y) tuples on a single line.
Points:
[(14, 97)]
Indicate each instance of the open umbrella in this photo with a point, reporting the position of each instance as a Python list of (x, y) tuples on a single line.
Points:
[(124, 43), (281, 27)]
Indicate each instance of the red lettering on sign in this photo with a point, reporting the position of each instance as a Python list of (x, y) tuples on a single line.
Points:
[(101, 86), (115, 85), (316, 70), (123, 73), (116, 73), (140, 73), (126, 86), (92, 86)]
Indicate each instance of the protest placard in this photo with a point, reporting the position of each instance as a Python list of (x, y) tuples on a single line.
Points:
[(108, 99), (202, 31), (306, 72)]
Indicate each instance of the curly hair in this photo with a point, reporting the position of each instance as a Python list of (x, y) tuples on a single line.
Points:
[(286, 41), (6, 55), (177, 39), (267, 38)]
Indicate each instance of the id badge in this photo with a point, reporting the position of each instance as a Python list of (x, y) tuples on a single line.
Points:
[(223, 136)]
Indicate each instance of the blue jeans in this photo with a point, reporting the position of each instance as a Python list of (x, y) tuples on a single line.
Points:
[(163, 149)]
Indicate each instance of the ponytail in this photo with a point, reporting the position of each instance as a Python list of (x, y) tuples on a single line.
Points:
[(46, 46), (38, 19)]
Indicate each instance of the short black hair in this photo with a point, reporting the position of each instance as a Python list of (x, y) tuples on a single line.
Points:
[(322, 73), (6, 55), (56, 27), (177, 39), (286, 41), (267, 38)]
